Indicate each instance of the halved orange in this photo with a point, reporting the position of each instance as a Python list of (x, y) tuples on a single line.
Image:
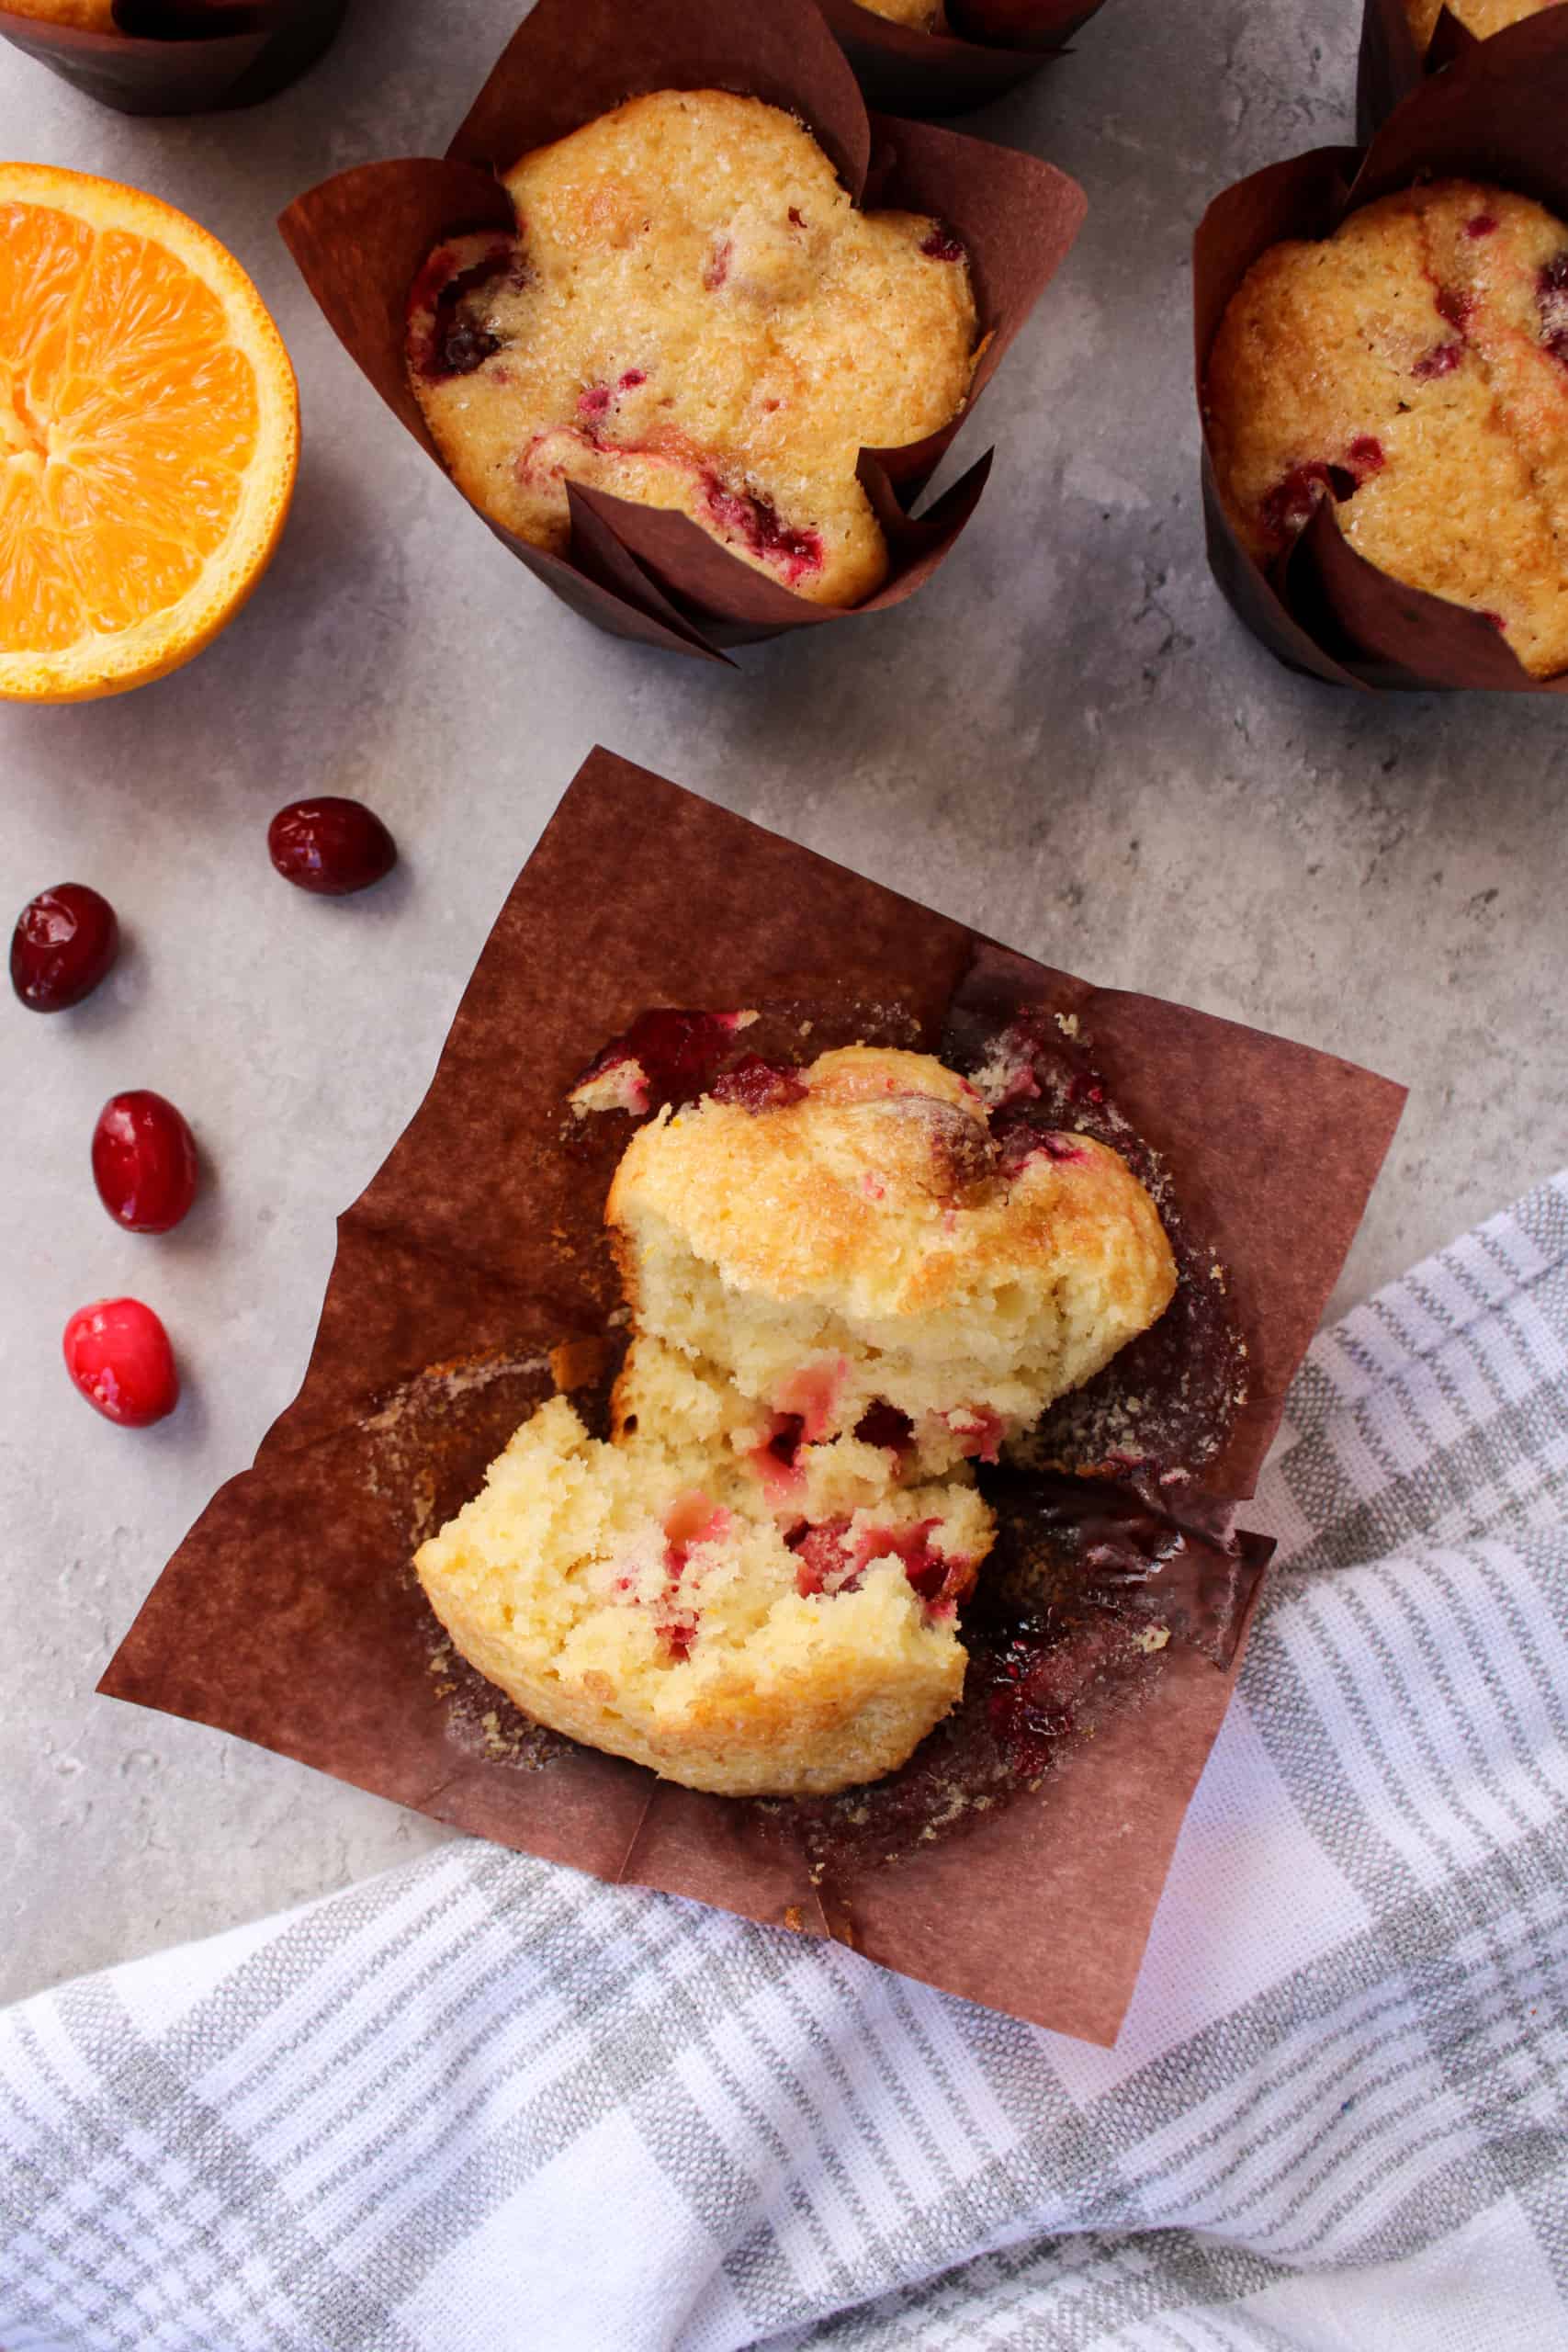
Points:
[(149, 435)]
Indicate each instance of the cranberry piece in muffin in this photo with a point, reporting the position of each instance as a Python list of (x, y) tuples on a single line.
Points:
[(1409, 368), (692, 315)]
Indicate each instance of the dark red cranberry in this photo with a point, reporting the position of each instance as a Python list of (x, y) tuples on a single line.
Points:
[(145, 1162), (1484, 225), (65, 943), (1289, 504), (883, 1424), (756, 521), (331, 847), (756, 1085), (942, 245), (118, 1353), (458, 341), (1366, 454), (668, 1056)]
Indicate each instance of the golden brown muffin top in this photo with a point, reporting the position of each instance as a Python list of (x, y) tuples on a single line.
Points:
[(693, 314), (1413, 367), (880, 1193)]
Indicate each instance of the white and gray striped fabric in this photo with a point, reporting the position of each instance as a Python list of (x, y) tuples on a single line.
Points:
[(483, 2102)]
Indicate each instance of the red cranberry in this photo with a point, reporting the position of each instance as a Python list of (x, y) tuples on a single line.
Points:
[(756, 1085), (64, 942), (143, 1162), (118, 1353), (331, 847)]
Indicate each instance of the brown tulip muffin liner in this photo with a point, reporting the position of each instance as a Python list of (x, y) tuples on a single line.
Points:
[(906, 72), (1392, 66), (475, 1268), (1496, 114), (640, 572), (183, 56)]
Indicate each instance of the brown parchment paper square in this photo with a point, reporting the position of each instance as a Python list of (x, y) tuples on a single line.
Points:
[(640, 571), (183, 56), (290, 1615), (1495, 113)]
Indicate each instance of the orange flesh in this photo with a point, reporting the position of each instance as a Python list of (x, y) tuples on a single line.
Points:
[(127, 419)]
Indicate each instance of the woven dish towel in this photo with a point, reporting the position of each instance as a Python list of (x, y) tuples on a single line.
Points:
[(482, 2102)]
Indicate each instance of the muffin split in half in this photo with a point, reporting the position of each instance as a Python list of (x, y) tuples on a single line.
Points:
[(841, 1299)]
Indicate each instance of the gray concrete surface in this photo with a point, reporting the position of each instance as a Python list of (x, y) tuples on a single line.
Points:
[(1067, 742)]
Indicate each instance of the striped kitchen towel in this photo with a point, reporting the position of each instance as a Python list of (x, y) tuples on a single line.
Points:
[(482, 2102)]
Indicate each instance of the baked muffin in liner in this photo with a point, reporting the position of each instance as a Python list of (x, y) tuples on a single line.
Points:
[(182, 56), (361, 239), (1496, 115), (908, 71), (1392, 64), (470, 1286)]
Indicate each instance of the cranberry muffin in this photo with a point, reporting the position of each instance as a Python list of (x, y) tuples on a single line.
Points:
[(1413, 367), (1482, 18), (842, 1296), (692, 315)]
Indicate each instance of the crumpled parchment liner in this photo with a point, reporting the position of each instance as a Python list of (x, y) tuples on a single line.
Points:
[(640, 573), (907, 71), (1496, 114), (1390, 66), (290, 1615), (183, 56)]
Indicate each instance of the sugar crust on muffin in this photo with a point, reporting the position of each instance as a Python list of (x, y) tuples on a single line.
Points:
[(1414, 367), (692, 315), (1482, 18), (843, 1298)]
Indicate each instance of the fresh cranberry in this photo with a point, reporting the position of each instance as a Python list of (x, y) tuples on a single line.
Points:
[(1366, 454), (942, 245), (143, 1161), (1484, 225), (331, 847), (64, 942), (756, 1085), (118, 1353)]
